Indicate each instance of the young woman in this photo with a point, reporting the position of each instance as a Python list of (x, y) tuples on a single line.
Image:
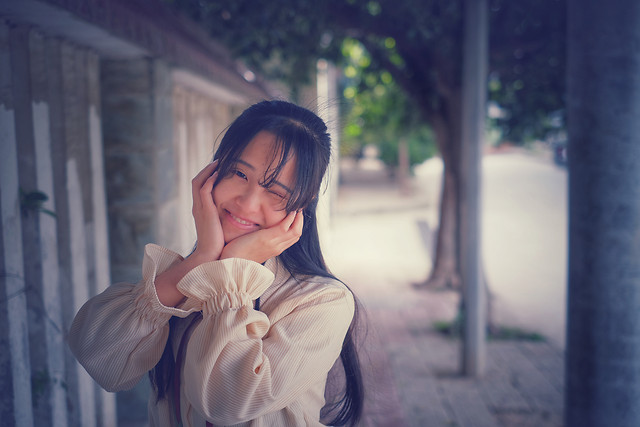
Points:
[(245, 329)]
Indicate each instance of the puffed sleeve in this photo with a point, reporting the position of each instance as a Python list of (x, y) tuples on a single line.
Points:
[(120, 334), (238, 366)]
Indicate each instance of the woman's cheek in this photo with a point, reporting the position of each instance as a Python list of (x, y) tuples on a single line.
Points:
[(276, 217)]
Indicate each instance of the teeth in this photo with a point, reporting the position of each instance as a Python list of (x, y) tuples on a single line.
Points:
[(241, 221)]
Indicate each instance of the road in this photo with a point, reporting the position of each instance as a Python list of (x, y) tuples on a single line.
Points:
[(524, 234)]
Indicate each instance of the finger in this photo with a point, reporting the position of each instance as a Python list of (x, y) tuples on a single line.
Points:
[(206, 191), (288, 220), (198, 181), (286, 244), (298, 223), (293, 231), (210, 181), (205, 173)]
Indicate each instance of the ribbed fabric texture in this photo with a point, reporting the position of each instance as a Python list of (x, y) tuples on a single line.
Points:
[(242, 367)]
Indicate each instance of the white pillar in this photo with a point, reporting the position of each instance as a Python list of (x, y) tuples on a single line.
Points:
[(13, 302), (55, 342), (327, 97), (79, 283), (106, 401), (14, 305)]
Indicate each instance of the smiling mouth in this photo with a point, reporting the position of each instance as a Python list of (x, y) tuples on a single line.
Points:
[(240, 220)]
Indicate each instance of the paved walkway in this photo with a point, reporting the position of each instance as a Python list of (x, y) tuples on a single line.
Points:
[(378, 245)]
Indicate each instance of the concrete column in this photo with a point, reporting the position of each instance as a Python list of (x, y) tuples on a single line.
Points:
[(49, 296), (200, 119), (603, 327), (76, 189), (105, 402), (15, 369), (80, 292), (139, 162), (186, 228), (165, 174), (141, 175), (58, 157), (38, 229), (78, 185)]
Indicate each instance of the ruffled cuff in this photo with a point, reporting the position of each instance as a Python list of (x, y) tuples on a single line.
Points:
[(156, 261), (225, 284)]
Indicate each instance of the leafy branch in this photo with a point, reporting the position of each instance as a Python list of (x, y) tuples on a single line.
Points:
[(34, 201)]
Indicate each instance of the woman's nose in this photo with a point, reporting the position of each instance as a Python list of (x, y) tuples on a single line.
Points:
[(249, 200)]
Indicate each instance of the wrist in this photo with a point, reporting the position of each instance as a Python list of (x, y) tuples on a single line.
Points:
[(166, 282), (200, 257)]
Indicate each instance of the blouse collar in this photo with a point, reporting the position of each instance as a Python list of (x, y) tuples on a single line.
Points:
[(279, 271)]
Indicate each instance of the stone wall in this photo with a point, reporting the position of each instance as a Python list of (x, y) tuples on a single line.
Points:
[(55, 252)]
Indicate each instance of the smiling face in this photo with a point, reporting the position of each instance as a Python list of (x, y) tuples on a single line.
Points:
[(244, 203)]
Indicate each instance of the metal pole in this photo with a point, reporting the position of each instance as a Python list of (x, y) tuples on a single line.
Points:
[(474, 87)]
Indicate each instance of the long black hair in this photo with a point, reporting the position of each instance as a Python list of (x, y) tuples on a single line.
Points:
[(301, 133)]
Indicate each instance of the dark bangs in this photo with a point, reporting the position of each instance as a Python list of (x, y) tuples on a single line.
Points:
[(293, 137)]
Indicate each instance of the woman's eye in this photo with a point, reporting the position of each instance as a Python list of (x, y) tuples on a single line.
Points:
[(240, 174), (281, 196)]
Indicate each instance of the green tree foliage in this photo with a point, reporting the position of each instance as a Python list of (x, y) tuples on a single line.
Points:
[(284, 38), (527, 59), (378, 112)]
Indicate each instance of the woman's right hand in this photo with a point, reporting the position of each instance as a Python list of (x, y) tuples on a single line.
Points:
[(205, 214), (210, 238)]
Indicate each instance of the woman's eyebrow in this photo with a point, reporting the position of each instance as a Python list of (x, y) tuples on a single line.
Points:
[(284, 186), (278, 183), (249, 165)]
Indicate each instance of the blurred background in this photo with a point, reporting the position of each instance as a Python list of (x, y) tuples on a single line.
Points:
[(448, 207)]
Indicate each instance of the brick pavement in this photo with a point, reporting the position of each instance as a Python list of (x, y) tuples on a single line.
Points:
[(412, 376)]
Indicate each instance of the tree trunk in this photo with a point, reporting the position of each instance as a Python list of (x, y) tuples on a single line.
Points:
[(603, 328), (444, 273)]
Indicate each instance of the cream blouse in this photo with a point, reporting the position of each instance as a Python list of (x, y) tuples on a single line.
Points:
[(241, 366)]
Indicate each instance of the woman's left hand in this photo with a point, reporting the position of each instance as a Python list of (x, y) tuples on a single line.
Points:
[(266, 243)]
